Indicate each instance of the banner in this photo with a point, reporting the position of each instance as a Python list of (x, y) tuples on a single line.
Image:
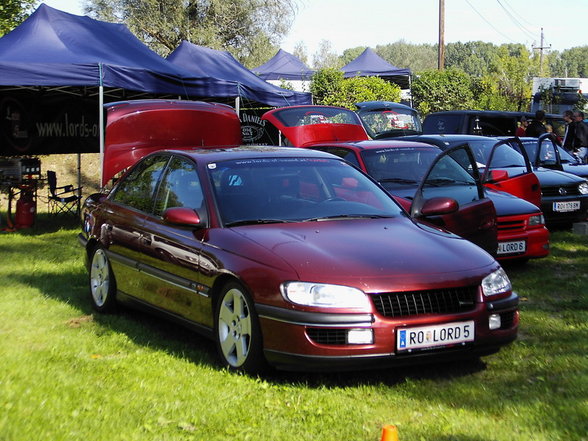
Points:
[(255, 131), (44, 123)]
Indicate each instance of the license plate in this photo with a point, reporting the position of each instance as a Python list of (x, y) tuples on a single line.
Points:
[(434, 336), (514, 247), (562, 207)]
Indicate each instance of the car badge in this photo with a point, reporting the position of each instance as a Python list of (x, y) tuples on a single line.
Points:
[(563, 191)]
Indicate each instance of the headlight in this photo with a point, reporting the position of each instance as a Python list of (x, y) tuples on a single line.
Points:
[(324, 296), (536, 219), (496, 283), (583, 188)]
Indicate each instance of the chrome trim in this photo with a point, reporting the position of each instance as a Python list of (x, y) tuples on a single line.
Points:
[(164, 276)]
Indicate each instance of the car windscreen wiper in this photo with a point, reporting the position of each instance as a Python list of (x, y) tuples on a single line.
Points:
[(255, 222), (439, 182), (398, 180), (347, 216)]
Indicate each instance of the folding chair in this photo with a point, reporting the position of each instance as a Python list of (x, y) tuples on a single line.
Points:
[(65, 199)]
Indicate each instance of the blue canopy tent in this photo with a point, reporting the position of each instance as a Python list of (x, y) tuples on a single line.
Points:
[(284, 66), (244, 84), (370, 64), (53, 51)]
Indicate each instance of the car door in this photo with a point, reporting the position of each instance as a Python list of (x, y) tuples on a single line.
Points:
[(171, 252), (508, 169), (123, 216), (454, 174)]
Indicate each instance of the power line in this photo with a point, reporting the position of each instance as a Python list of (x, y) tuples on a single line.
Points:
[(490, 24), (516, 21)]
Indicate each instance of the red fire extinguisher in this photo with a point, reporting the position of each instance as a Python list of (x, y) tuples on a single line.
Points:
[(26, 207)]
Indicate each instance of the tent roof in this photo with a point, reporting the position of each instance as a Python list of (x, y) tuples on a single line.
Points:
[(203, 61), (371, 64), (55, 48), (285, 66)]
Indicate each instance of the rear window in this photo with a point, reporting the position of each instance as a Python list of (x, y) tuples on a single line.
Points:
[(442, 124)]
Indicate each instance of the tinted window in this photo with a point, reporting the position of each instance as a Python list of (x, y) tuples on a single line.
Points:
[(180, 187), (443, 124), (398, 122), (137, 189), (398, 167), (295, 189), (316, 115), (449, 178), (343, 153)]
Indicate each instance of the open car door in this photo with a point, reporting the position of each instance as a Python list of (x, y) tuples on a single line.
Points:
[(508, 169), (454, 174)]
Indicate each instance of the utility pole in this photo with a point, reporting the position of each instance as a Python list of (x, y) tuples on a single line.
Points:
[(441, 54), (540, 49)]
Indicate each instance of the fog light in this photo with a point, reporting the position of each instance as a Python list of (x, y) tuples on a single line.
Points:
[(360, 337), (494, 321)]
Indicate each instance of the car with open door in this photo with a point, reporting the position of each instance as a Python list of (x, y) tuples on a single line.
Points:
[(412, 172), (546, 152), (280, 255), (562, 197)]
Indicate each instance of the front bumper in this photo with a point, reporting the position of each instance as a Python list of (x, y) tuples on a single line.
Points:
[(290, 341)]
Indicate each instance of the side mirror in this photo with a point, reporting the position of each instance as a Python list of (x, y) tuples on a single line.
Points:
[(498, 175), (182, 216), (439, 206)]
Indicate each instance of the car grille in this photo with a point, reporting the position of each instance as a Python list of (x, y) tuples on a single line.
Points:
[(510, 225), (324, 336), (439, 301), (571, 190)]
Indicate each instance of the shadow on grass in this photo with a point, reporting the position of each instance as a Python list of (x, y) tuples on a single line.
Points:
[(155, 332)]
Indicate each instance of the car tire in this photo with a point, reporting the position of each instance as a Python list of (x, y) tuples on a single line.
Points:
[(237, 332), (102, 283)]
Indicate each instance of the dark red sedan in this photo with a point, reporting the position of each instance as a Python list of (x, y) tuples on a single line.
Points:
[(292, 257)]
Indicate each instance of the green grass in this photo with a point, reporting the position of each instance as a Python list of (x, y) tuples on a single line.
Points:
[(69, 374)]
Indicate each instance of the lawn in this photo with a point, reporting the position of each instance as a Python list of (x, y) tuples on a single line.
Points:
[(69, 374)]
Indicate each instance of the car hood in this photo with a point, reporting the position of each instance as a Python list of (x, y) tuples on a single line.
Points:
[(372, 255), (577, 169), (508, 205), (548, 177)]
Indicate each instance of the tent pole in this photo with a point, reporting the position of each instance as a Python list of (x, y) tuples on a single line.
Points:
[(101, 131), (238, 106)]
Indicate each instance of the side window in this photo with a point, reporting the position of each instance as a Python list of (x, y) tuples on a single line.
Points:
[(180, 187), (138, 188), (346, 154), (449, 177)]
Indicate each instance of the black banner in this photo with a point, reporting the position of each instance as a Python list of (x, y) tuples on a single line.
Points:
[(48, 122), (255, 131)]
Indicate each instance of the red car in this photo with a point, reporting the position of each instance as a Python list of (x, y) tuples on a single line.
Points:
[(290, 257)]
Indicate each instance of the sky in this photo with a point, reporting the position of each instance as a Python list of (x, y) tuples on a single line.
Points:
[(351, 23)]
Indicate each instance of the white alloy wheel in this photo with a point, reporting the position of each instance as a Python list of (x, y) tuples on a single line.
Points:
[(234, 327), (101, 281)]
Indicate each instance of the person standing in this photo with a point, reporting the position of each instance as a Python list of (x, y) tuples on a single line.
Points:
[(537, 126), (521, 129), (568, 141), (581, 136)]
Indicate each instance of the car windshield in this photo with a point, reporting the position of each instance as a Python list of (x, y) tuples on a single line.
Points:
[(398, 167), (504, 155), (385, 123), (273, 190), (303, 116)]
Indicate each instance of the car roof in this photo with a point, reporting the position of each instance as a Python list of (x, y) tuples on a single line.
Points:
[(378, 144), (451, 137), (248, 152)]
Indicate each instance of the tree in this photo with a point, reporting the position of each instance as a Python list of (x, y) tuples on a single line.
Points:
[(249, 29), (324, 57), (330, 88), (300, 52), (435, 90), (13, 13), (412, 56), (475, 58)]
